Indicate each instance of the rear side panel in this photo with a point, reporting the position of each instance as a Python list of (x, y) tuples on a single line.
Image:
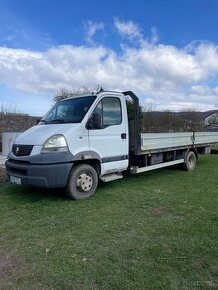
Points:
[(151, 142), (205, 138)]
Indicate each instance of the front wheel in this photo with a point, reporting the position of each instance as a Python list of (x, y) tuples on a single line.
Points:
[(190, 161), (82, 182)]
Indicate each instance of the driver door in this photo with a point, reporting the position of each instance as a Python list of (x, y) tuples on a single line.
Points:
[(108, 134)]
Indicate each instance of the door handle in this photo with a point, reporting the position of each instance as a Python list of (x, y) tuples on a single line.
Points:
[(123, 136)]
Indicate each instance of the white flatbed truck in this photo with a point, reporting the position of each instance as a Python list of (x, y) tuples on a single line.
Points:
[(86, 138)]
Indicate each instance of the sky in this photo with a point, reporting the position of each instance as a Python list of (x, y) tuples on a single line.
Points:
[(164, 51)]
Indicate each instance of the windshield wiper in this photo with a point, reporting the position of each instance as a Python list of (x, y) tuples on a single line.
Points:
[(42, 121), (56, 121)]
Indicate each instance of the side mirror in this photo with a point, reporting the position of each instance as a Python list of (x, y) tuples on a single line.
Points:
[(94, 122)]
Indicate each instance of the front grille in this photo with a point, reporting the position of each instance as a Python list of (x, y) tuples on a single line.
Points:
[(22, 150)]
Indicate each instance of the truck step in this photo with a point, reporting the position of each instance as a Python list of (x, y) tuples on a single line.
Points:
[(111, 177)]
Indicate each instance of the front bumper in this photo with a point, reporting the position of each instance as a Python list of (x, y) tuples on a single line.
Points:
[(41, 174)]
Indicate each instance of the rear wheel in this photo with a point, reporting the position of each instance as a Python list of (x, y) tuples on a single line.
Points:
[(83, 181), (190, 161)]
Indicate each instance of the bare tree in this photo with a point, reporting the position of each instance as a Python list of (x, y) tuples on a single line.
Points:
[(64, 93), (149, 107), (167, 121), (6, 108), (150, 118), (192, 119)]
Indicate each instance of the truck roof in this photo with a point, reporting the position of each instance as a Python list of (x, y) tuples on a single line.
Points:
[(94, 94)]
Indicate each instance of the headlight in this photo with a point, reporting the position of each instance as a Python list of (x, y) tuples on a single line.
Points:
[(56, 143)]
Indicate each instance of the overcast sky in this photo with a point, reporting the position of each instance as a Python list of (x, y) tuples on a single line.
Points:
[(164, 51)]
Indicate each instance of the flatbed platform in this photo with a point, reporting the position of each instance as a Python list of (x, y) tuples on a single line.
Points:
[(155, 142)]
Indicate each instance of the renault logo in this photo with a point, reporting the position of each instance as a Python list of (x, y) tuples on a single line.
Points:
[(17, 150)]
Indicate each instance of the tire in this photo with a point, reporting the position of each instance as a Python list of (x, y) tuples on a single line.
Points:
[(190, 161), (82, 182)]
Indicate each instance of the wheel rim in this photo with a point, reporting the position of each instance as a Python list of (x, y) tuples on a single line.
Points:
[(84, 182)]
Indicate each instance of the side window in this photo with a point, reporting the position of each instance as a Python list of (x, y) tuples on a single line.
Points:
[(111, 112), (107, 113)]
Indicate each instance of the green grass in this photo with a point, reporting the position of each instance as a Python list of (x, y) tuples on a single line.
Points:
[(157, 230)]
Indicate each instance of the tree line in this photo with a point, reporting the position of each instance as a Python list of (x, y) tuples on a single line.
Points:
[(152, 120)]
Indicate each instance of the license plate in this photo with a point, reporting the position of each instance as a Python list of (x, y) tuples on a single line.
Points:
[(15, 180)]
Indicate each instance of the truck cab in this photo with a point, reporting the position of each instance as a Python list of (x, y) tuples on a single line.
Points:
[(79, 140)]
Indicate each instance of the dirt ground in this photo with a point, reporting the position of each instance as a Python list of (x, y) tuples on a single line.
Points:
[(10, 268)]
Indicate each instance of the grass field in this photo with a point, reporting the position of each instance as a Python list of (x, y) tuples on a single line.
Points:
[(157, 230)]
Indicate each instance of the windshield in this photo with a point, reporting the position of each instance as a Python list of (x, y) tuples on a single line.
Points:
[(68, 111)]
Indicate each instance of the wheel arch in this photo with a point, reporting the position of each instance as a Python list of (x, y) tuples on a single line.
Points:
[(89, 157), (95, 163)]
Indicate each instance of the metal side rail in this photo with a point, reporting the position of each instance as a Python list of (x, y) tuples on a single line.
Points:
[(136, 169)]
